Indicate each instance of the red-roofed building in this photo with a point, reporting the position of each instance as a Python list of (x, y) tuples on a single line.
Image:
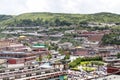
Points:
[(82, 52), (95, 38), (21, 57)]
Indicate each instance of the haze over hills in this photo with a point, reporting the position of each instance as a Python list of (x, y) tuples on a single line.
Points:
[(56, 19)]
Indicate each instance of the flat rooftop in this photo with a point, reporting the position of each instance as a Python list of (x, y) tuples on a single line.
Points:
[(2, 61), (110, 77), (21, 53), (12, 52)]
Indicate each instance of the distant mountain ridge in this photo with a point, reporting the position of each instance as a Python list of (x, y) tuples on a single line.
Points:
[(56, 19)]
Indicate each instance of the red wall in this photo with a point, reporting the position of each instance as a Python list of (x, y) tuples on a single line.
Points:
[(113, 69), (15, 61), (12, 61)]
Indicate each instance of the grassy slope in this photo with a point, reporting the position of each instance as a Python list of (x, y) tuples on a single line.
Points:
[(74, 18), (5, 17)]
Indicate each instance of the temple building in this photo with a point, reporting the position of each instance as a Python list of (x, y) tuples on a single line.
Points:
[(21, 57)]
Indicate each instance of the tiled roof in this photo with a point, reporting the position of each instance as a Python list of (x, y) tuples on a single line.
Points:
[(95, 38), (81, 52)]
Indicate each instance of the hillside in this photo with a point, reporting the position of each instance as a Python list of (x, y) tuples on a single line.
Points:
[(57, 19), (5, 17)]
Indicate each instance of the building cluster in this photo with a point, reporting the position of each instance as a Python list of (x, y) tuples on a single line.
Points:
[(15, 52), (96, 24), (29, 50)]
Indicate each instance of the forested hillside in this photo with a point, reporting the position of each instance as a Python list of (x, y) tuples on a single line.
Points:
[(56, 19), (5, 17)]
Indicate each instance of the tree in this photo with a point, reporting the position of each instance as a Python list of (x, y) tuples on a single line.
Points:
[(38, 22), (57, 22), (49, 56), (112, 38), (118, 55), (27, 44), (72, 64), (67, 56), (61, 51), (38, 59)]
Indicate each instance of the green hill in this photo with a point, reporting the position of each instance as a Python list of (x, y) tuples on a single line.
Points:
[(5, 17), (56, 19)]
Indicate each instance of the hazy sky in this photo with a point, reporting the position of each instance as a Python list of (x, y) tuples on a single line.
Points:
[(59, 6)]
